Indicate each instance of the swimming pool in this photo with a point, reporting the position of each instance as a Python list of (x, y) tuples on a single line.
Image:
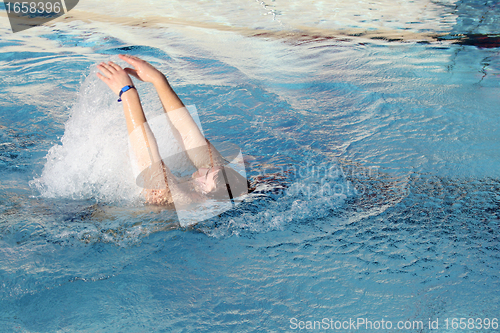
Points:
[(371, 131)]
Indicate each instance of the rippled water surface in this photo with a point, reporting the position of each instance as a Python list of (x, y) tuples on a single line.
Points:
[(371, 134)]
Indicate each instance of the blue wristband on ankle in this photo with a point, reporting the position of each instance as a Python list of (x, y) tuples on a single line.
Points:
[(124, 89)]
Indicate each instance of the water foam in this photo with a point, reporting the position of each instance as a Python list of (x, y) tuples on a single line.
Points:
[(296, 194), (92, 160)]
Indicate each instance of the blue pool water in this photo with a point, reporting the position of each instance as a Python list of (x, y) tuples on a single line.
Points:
[(374, 155)]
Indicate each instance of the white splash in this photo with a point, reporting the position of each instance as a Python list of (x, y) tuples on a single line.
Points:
[(92, 159)]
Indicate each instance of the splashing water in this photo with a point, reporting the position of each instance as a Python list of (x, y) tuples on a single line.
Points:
[(93, 159), (93, 162)]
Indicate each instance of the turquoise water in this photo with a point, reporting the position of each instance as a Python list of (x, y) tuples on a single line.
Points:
[(375, 162)]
